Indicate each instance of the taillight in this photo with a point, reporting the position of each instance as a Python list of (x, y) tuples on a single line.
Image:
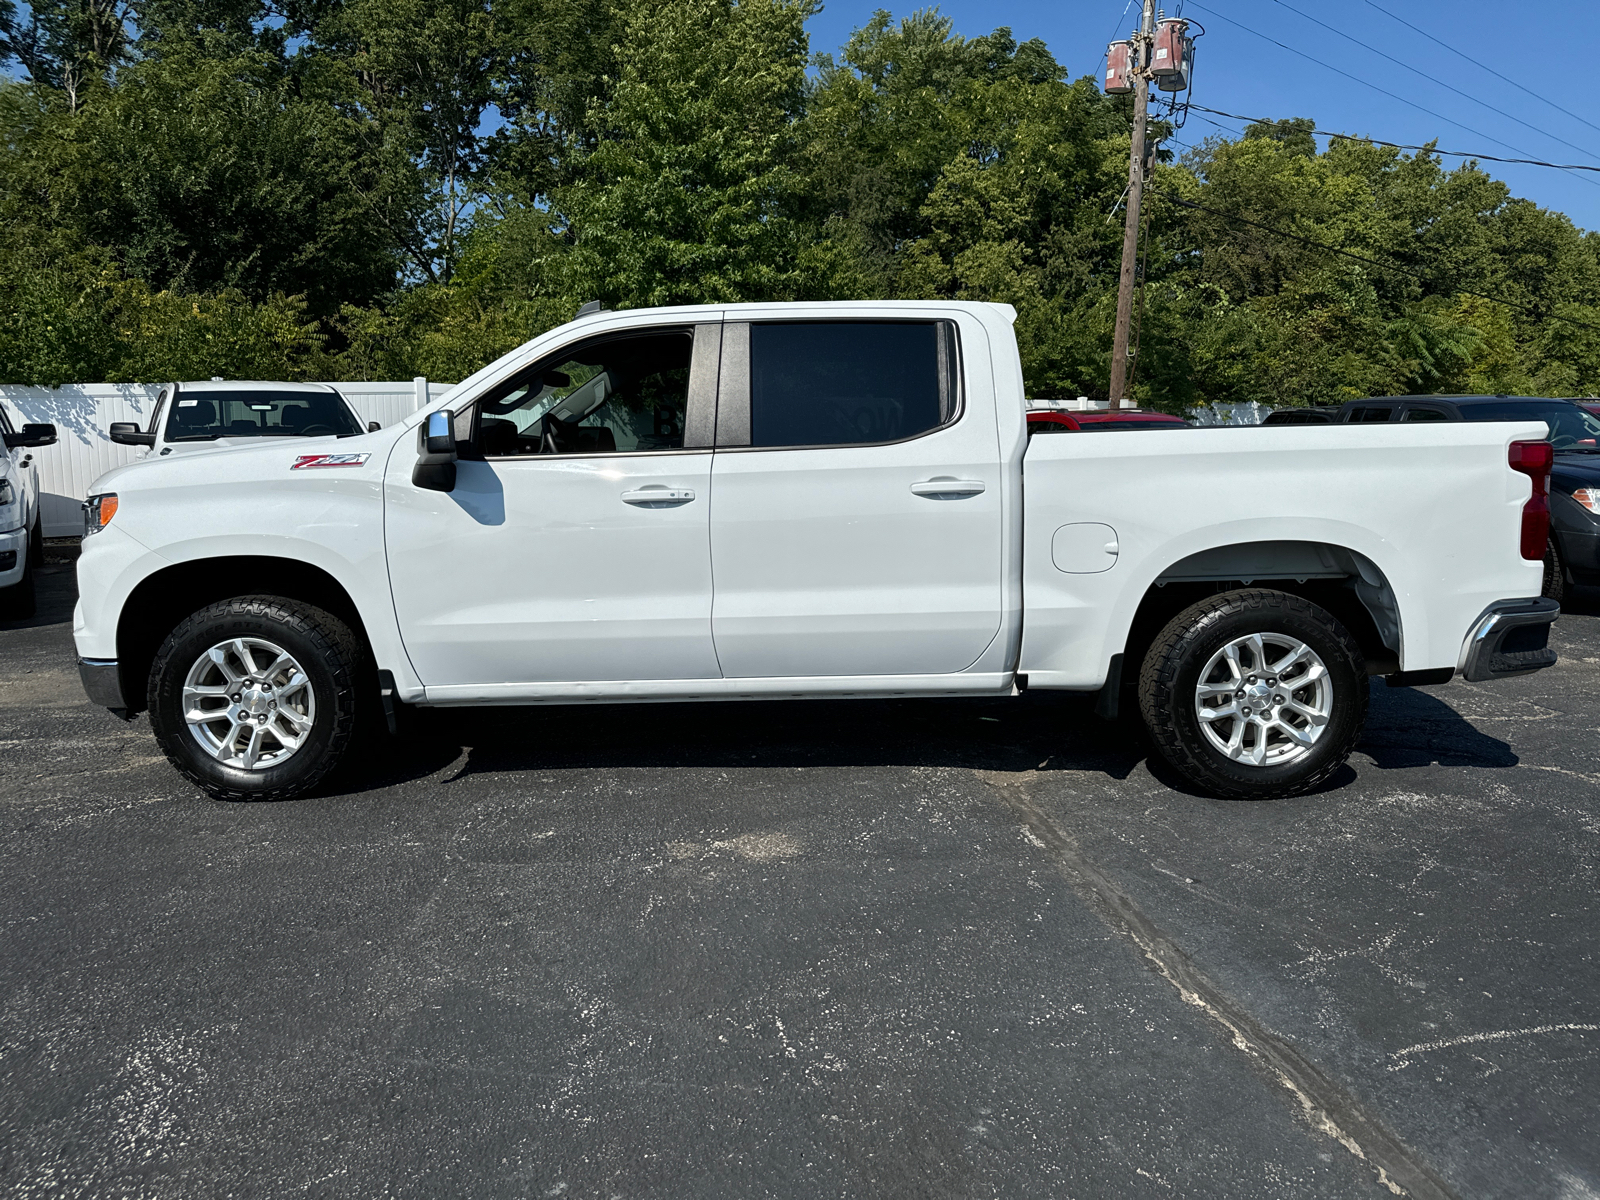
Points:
[(1534, 459)]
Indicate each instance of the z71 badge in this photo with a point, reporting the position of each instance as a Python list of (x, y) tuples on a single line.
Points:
[(328, 460)]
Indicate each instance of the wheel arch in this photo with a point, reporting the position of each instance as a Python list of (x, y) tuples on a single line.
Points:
[(1344, 581), (162, 599)]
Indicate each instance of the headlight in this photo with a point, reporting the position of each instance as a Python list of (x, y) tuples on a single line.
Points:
[(1589, 498), (8, 494), (98, 511)]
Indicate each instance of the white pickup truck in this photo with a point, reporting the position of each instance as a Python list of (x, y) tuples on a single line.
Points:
[(804, 500)]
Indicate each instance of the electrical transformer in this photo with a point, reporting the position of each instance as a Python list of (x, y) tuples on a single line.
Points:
[(1119, 68), (1172, 59)]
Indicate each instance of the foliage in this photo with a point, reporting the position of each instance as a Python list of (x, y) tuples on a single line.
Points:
[(366, 188)]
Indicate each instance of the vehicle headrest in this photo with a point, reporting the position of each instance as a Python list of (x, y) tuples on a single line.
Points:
[(196, 412)]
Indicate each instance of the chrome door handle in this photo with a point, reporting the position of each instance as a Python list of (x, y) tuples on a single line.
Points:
[(655, 495), (948, 487)]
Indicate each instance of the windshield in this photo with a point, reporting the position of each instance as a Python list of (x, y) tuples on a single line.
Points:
[(210, 415), (1571, 428)]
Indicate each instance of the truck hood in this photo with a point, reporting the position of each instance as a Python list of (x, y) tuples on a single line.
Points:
[(240, 460)]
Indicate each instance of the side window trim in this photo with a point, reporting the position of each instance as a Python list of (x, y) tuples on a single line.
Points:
[(733, 387), (705, 365), (733, 391)]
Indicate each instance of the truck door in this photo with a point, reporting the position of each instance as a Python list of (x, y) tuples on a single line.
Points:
[(575, 544), (856, 508)]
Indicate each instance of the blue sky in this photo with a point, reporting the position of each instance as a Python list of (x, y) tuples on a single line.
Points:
[(1529, 41)]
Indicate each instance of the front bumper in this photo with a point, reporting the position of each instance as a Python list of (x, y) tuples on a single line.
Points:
[(1510, 639), (102, 682)]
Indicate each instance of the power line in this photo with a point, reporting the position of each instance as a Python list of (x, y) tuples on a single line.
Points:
[(1372, 262), (1373, 86), (1407, 66), (1120, 20), (1529, 162), (1481, 66)]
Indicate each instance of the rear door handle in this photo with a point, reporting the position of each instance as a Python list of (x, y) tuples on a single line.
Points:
[(655, 495), (953, 488)]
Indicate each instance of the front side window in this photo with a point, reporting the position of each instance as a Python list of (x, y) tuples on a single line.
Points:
[(840, 383), (623, 394), (1424, 414), (209, 415)]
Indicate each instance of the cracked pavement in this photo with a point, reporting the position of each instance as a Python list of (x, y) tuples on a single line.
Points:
[(919, 948)]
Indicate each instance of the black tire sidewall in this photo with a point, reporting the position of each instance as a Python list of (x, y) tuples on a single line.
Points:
[(1322, 634), (1555, 574), (332, 683)]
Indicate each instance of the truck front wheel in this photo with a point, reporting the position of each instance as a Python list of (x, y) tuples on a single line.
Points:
[(255, 698), (1253, 695)]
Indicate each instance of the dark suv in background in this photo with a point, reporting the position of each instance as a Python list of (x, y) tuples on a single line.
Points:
[(1573, 555)]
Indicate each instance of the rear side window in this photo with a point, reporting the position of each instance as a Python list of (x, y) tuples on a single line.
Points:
[(843, 383), (1370, 414), (1424, 414), (210, 415)]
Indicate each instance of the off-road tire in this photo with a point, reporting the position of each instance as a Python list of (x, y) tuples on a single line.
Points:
[(20, 601), (332, 657), (1555, 573), (1171, 671)]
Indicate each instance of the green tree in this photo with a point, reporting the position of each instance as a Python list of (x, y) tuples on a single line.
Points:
[(690, 195)]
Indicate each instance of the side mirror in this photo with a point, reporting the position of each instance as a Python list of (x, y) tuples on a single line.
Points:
[(439, 435), (373, 427), (32, 435), (436, 466), (126, 433)]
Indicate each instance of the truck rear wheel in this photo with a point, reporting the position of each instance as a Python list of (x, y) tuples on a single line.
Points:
[(1253, 695), (255, 698)]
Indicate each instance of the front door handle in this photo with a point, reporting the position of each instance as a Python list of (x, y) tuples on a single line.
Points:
[(945, 487), (656, 495)]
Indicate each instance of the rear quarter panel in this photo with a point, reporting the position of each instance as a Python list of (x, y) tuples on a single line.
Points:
[(1434, 506)]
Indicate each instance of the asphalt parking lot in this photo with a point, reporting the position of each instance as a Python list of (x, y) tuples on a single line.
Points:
[(858, 949)]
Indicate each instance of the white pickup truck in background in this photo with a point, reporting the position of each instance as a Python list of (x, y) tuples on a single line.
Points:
[(219, 414), (804, 500)]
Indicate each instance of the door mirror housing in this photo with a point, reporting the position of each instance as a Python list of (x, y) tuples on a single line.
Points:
[(373, 427), (436, 465), (439, 435), (126, 433), (32, 436)]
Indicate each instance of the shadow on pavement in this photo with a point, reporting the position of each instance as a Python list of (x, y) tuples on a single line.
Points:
[(1410, 727), (1581, 602), (1035, 732)]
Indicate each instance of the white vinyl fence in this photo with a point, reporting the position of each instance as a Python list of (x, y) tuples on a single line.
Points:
[(83, 412)]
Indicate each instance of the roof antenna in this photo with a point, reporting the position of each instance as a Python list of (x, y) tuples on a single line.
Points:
[(592, 306)]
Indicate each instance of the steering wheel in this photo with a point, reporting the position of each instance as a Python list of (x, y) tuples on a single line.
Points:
[(316, 430)]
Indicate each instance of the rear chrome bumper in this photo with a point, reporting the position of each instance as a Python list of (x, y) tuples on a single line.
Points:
[(102, 682), (1510, 639)]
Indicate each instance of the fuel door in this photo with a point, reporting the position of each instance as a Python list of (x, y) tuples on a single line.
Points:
[(1084, 548)]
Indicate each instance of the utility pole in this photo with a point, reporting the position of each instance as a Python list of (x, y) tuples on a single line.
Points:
[(1142, 42)]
